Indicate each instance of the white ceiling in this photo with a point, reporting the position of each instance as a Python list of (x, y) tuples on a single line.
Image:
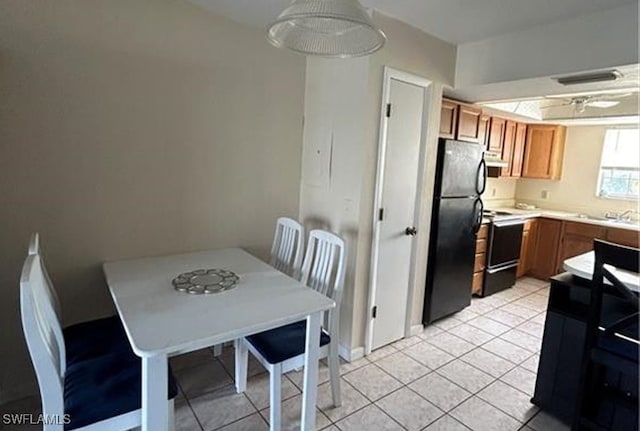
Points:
[(456, 21)]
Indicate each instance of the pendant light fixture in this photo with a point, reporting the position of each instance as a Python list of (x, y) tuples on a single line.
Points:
[(326, 28)]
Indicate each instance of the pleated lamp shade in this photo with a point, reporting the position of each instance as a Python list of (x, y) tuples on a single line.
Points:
[(326, 28)]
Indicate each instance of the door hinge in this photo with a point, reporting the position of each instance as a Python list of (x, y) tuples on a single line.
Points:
[(380, 214), (388, 110), (374, 311)]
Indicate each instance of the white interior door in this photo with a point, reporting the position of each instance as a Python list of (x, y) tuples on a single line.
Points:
[(397, 185)]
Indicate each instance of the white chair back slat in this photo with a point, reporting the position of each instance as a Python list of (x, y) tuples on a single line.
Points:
[(323, 266), (287, 247), (46, 300), (34, 248), (42, 343), (323, 269), (326, 281)]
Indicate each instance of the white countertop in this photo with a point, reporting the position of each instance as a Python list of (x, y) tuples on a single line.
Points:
[(568, 216), (582, 266)]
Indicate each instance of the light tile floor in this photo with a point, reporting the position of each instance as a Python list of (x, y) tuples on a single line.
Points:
[(472, 371)]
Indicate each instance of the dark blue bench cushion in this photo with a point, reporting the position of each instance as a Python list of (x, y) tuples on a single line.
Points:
[(102, 388), (280, 344), (90, 340)]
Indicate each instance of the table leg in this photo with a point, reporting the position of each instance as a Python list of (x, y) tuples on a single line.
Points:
[(312, 349), (155, 415), (242, 362)]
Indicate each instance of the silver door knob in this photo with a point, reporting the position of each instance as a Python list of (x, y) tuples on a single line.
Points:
[(411, 231)]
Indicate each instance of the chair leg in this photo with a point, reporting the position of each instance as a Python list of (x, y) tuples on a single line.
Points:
[(242, 364), (217, 350), (275, 397), (334, 374)]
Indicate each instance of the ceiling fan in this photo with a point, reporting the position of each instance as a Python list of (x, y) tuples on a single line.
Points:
[(581, 103)]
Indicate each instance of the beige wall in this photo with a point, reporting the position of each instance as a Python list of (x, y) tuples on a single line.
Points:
[(132, 128), (332, 162), (342, 109), (576, 191), (500, 192)]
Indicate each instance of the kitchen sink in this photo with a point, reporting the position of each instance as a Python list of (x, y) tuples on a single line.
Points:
[(608, 220)]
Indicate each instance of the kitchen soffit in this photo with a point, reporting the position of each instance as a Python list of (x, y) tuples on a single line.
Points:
[(456, 21)]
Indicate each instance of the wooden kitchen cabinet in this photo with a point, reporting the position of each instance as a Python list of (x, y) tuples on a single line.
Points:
[(527, 248), (448, 119), (496, 134), (577, 238), (483, 130), (547, 243), (480, 260), (518, 150), (468, 123), (626, 237), (507, 147), (544, 151)]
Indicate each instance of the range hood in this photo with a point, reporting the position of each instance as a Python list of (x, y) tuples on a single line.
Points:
[(494, 160)]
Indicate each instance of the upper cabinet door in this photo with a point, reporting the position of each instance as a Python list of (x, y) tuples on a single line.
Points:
[(448, 119), (507, 147), (496, 134), (544, 151), (518, 150), (483, 135), (469, 123)]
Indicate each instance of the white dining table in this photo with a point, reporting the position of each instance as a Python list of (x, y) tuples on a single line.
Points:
[(161, 322)]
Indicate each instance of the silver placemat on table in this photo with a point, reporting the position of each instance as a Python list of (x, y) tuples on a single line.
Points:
[(205, 281)]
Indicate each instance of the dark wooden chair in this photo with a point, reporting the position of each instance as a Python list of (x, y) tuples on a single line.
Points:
[(608, 394)]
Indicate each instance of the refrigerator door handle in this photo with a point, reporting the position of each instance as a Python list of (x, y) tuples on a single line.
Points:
[(482, 173), (477, 222)]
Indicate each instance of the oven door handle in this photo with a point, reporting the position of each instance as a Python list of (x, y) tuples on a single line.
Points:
[(477, 222), (505, 223)]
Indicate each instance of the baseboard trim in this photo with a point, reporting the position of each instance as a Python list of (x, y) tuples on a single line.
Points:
[(351, 354), (416, 330)]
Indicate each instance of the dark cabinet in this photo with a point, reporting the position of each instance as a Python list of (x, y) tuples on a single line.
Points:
[(558, 377)]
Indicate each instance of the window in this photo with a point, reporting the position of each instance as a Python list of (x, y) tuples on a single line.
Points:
[(619, 176)]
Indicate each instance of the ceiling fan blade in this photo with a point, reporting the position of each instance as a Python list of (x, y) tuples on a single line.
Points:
[(557, 106)]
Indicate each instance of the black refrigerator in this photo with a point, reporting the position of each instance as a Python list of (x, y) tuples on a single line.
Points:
[(456, 218)]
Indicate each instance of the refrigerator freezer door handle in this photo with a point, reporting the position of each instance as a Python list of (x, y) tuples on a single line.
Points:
[(478, 215), (482, 173)]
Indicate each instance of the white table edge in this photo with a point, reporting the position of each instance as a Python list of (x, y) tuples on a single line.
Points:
[(155, 363)]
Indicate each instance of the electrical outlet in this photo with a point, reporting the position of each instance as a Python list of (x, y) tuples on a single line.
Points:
[(544, 194)]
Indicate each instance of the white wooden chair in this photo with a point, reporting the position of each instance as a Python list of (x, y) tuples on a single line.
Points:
[(83, 340), (282, 349), (286, 253), (287, 247), (80, 390), (34, 248)]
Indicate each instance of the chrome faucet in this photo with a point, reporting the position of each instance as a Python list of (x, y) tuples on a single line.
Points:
[(624, 216)]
